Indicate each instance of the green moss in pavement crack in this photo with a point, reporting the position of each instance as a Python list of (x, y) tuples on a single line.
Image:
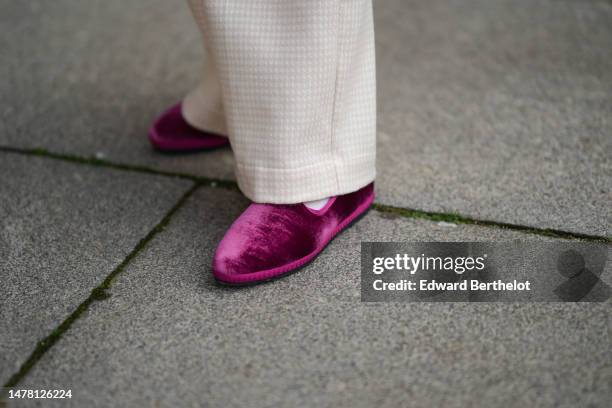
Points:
[(459, 219), (97, 294), (94, 161), (100, 294), (386, 209)]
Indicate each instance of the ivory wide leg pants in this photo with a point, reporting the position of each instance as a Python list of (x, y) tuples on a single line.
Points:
[(292, 83)]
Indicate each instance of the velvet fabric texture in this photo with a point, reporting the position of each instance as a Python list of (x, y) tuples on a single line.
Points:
[(270, 240), (171, 132)]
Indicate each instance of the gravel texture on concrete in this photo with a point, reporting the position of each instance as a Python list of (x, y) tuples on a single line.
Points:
[(88, 78), (170, 336), (492, 108), (497, 109), (63, 228)]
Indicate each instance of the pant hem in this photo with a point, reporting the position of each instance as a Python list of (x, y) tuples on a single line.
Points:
[(308, 183)]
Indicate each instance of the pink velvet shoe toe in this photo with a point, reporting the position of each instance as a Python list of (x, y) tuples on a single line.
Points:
[(271, 240), (171, 133)]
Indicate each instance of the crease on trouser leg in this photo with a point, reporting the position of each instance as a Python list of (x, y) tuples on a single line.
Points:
[(298, 86)]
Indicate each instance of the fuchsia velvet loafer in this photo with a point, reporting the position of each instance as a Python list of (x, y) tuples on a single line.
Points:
[(270, 240), (171, 133)]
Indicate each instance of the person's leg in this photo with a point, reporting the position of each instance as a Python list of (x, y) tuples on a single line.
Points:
[(298, 87), (198, 122), (298, 84), (202, 108)]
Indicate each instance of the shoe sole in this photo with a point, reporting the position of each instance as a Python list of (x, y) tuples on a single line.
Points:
[(178, 152), (164, 147)]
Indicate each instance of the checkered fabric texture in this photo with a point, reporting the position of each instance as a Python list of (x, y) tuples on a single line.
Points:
[(293, 84)]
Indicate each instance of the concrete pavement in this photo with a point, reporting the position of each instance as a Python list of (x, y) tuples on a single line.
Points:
[(494, 110)]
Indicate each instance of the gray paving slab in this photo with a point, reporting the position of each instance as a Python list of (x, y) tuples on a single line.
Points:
[(498, 110), (492, 108), (168, 336), (88, 78), (63, 229)]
